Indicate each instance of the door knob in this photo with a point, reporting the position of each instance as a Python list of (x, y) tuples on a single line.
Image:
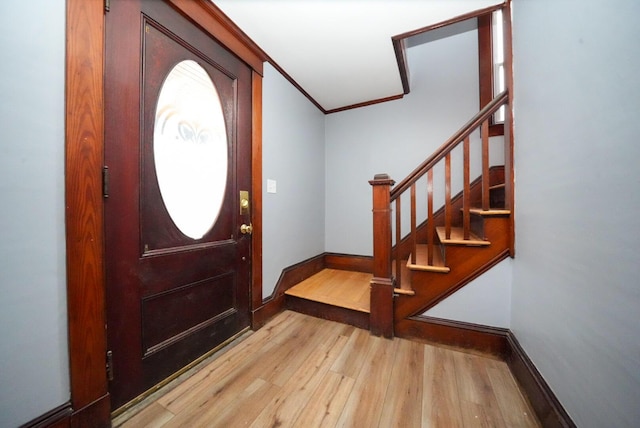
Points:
[(246, 229)]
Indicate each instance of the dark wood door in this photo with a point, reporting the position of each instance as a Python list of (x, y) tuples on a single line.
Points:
[(178, 152)]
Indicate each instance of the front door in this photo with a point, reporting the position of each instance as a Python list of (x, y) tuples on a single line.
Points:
[(178, 157)]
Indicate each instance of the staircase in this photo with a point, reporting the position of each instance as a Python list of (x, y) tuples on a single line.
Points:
[(456, 260), (422, 255), (416, 267)]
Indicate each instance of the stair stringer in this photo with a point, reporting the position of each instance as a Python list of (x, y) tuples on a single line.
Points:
[(466, 264)]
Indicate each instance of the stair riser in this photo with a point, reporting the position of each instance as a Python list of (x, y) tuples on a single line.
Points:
[(328, 312), (477, 226), (496, 197)]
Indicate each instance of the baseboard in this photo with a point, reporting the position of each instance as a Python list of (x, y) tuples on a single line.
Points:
[(499, 342), (270, 307), (289, 277), (475, 337), (95, 415), (544, 402), (348, 262), (55, 418)]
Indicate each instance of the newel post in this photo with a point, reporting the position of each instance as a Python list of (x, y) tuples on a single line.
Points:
[(381, 315)]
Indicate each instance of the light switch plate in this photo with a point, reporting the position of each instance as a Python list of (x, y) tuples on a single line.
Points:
[(271, 186)]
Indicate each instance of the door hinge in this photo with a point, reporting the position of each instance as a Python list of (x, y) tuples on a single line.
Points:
[(107, 5), (110, 365), (105, 181)]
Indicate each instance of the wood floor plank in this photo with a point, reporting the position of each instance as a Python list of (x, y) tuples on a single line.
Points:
[(234, 359), (514, 408), (365, 403), (153, 416), (440, 400), (300, 371), (243, 410), (327, 402), (478, 403), (349, 363), (470, 385), (477, 415), (197, 404), (296, 352), (285, 406), (403, 402), (225, 385)]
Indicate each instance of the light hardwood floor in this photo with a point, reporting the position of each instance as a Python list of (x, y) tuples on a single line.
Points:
[(300, 371), (342, 288)]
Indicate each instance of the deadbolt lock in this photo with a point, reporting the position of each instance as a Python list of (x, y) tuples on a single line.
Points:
[(244, 202)]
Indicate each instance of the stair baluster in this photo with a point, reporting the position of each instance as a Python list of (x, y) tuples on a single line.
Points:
[(447, 195), (398, 267), (485, 165), (466, 193), (430, 222)]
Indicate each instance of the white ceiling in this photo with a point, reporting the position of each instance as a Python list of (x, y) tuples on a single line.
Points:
[(340, 51)]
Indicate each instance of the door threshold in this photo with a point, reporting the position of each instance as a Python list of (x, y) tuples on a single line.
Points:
[(128, 410)]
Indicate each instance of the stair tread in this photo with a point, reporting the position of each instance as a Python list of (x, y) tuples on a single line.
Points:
[(404, 286), (405, 291), (490, 211), (422, 260), (457, 237), (497, 186)]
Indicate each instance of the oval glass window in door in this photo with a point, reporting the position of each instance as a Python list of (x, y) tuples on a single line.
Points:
[(190, 149)]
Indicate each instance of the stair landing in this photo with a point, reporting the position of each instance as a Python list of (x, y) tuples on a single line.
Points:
[(340, 288)]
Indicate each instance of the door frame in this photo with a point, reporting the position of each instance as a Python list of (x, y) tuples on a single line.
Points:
[(84, 154)]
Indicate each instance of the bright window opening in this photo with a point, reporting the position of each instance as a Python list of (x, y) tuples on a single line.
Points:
[(498, 60)]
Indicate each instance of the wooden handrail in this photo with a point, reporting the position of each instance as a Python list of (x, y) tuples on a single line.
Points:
[(451, 143)]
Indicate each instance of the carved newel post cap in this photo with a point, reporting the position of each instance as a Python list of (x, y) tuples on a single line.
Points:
[(382, 179)]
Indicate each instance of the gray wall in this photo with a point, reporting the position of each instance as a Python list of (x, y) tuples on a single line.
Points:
[(34, 374), (394, 137), (486, 300), (576, 292), (293, 156)]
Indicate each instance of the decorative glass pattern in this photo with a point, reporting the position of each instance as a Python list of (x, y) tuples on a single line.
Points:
[(190, 149)]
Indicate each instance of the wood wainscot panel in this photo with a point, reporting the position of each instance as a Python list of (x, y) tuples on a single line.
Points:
[(349, 262), (289, 277), (475, 337)]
